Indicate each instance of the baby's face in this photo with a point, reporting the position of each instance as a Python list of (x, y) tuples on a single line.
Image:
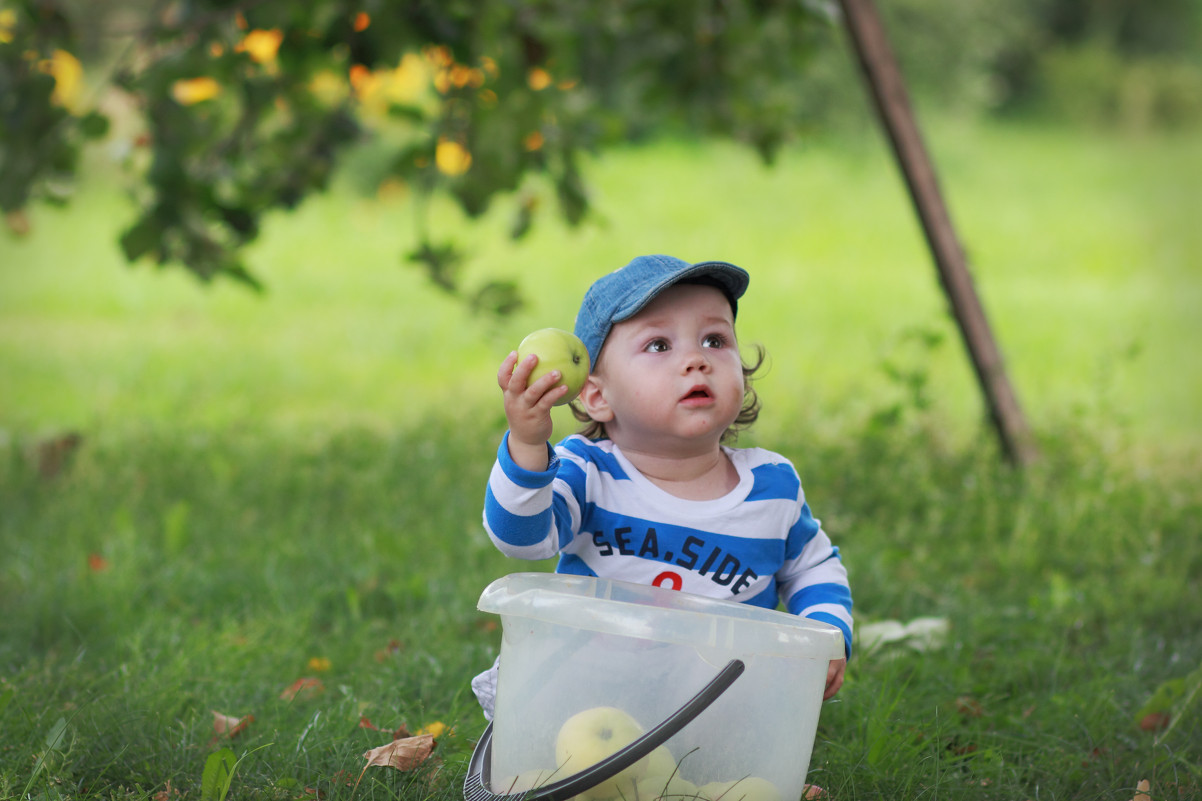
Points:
[(671, 375)]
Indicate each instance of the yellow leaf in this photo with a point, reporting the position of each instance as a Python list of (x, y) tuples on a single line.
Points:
[(533, 141), (438, 55), (68, 79), (190, 91), (538, 79), (328, 87), (452, 158), (262, 46), (319, 664), (408, 81), (405, 754), (8, 24), (435, 729)]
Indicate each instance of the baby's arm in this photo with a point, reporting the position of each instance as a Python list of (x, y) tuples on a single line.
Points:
[(528, 410)]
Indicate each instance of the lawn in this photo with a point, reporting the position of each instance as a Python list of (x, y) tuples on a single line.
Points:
[(1084, 249), (273, 509)]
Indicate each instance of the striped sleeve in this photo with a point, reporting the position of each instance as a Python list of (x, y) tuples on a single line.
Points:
[(527, 514), (813, 581)]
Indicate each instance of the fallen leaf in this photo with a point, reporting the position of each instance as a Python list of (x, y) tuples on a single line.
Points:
[(1155, 721), (1142, 790), (167, 793), (435, 729), (920, 634), (319, 664), (229, 726), (398, 733), (969, 707), (405, 754), (18, 222), (97, 563), (55, 453), (302, 689), (384, 653)]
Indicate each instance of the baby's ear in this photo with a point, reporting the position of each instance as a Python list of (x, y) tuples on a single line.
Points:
[(592, 397)]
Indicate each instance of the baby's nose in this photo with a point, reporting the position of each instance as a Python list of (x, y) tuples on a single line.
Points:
[(696, 359)]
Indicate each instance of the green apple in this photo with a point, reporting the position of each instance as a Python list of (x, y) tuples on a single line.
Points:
[(673, 788), (524, 782), (590, 736), (660, 762), (656, 788), (750, 788), (557, 350)]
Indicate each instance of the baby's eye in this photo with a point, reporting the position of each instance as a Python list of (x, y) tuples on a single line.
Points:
[(714, 341), (657, 346)]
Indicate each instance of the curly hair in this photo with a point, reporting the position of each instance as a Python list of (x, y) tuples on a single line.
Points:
[(593, 429)]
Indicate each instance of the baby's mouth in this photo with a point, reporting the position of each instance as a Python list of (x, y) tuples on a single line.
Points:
[(697, 393)]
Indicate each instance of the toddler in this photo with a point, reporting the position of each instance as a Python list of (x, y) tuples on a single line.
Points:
[(651, 491)]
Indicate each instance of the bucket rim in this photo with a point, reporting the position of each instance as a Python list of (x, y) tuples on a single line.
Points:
[(613, 606)]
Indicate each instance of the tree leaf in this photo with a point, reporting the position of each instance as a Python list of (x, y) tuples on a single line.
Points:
[(141, 238), (404, 754)]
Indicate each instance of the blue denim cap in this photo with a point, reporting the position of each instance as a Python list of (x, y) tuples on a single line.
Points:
[(624, 293)]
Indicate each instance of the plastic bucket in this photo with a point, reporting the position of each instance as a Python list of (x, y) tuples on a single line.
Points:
[(722, 699)]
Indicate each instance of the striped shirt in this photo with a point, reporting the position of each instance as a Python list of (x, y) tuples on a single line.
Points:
[(757, 544)]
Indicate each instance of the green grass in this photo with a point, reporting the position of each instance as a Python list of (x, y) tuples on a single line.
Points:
[(265, 482), (232, 561), (1083, 244)]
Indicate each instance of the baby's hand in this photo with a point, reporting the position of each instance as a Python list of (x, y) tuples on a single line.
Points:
[(834, 677), (528, 409)]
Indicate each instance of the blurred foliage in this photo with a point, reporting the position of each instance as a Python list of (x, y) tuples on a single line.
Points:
[(242, 108), (1123, 63), (227, 110)]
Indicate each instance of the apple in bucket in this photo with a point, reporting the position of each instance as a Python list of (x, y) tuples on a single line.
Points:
[(750, 788), (557, 350), (590, 736)]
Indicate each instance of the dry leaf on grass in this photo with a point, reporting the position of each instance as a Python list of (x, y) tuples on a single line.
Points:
[(397, 733), (969, 707), (1143, 788), (230, 726), (403, 754), (394, 646), (167, 793), (302, 689), (1155, 721)]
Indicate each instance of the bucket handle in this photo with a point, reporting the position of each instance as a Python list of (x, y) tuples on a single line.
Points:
[(475, 785)]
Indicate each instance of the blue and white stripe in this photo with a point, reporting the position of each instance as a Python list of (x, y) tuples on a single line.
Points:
[(758, 544)]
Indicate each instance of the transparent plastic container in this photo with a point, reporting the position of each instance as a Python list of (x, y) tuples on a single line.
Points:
[(622, 655)]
